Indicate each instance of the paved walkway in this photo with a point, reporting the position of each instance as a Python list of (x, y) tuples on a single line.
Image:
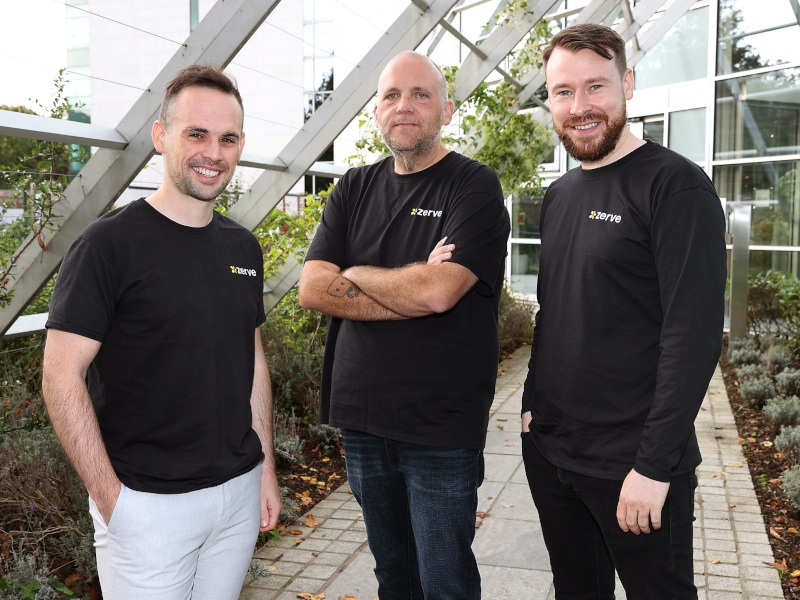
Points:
[(731, 546)]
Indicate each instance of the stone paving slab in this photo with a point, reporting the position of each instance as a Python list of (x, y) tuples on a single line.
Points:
[(731, 547)]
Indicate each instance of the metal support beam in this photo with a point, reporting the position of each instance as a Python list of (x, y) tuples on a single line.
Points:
[(34, 127), (218, 37), (740, 257), (477, 67)]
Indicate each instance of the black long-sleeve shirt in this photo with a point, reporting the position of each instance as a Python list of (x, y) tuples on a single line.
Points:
[(631, 286)]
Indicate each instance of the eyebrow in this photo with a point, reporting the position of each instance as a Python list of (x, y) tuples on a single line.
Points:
[(591, 81), (416, 88), (232, 134)]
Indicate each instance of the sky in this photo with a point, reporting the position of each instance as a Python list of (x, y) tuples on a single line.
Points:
[(32, 50)]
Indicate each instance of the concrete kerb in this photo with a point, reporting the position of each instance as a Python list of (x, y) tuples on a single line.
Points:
[(732, 551)]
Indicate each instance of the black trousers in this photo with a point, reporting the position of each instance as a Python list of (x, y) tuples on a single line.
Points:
[(585, 543)]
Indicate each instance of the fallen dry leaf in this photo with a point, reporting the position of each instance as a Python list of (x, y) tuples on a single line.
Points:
[(712, 475), (481, 514), (294, 532), (501, 427), (767, 444), (478, 524), (791, 530), (311, 521), (348, 597), (735, 464), (794, 573), (774, 481), (778, 564), (716, 561), (774, 533), (300, 541), (272, 568)]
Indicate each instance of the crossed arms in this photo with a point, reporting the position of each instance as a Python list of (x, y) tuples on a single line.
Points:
[(366, 293)]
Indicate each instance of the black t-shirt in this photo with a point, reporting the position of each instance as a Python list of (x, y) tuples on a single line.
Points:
[(428, 380), (631, 287), (176, 309)]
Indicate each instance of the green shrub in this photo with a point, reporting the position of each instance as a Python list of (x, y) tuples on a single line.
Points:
[(783, 411), (750, 371), (743, 343), (791, 485), (773, 307), (27, 576), (745, 356), (777, 358), (515, 322), (757, 390), (287, 439), (788, 442), (788, 381), (325, 434)]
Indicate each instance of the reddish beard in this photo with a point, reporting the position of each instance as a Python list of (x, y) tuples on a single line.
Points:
[(598, 147)]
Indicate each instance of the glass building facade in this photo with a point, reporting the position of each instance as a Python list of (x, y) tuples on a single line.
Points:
[(722, 88)]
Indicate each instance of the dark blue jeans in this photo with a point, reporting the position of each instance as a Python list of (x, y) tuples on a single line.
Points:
[(419, 506), (579, 525)]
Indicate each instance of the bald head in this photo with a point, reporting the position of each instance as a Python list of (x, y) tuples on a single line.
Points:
[(412, 61)]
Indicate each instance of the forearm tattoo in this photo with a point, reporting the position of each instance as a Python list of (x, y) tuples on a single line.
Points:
[(341, 287)]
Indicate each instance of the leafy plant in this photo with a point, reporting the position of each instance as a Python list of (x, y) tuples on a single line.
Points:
[(773, 307), (745, 356), (783, 411), (791, 485), (757, 390), (788, 381), (788, 442), (39, 178), (777, 358), (750, 371)]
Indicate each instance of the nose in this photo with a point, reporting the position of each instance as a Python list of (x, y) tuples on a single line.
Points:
[(580, 105), (213, 150), (405, 104)]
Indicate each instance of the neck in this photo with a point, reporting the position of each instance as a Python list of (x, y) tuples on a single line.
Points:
[(182, 209), (627, 143), (409, 162)]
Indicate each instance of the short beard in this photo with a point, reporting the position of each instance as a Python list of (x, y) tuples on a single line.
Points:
[(593, 150)]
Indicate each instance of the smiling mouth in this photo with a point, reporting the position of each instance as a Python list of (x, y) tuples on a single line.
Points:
[(586, 126), (206, 172)]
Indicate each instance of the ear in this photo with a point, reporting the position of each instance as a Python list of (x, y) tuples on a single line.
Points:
[(158, 133), (241, 147), (447, 116), (627, 83)]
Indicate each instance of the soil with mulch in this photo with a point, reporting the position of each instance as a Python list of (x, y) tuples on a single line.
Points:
[(781, 518)]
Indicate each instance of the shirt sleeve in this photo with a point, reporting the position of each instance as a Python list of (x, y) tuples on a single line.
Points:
[(83, 298), (479, 226), (688, 237)]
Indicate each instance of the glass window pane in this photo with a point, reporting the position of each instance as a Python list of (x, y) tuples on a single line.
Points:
[(654, 131), (751, 37), (687, 133), (526, 213), (681, 55), (524, 268), (776, 186), (758, 115)]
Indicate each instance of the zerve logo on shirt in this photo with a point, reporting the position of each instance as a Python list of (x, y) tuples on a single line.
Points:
[(601, 216), (424, 212), (243, 271)]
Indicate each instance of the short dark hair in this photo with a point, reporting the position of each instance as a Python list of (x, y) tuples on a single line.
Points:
[(207, 76), (599, 39)]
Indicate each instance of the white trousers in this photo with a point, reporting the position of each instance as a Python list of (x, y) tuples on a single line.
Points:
[(195, 545)]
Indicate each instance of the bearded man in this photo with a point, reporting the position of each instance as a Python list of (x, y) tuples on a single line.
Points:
[(408, 262), (631, 284)]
